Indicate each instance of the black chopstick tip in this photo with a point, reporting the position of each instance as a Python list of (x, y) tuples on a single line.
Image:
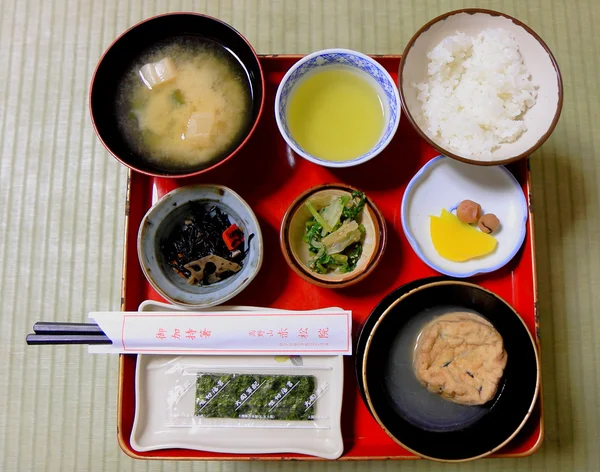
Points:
[(34, 339)]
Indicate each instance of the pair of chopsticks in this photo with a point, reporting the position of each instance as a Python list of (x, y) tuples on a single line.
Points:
[(48, 332)]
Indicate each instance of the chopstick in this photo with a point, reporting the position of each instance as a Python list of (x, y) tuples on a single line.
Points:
[(47, 339), (52, 327), (51, 332)]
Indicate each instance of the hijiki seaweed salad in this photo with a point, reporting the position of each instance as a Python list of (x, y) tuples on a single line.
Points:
[(334, 235), (206, 246)]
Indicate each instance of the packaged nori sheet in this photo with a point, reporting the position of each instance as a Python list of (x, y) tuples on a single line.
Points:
[(255, 396)]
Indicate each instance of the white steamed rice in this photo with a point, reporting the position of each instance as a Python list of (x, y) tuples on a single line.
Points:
[(477, 90)]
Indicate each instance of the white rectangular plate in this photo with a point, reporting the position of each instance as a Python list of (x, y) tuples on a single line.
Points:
[(153, 424)]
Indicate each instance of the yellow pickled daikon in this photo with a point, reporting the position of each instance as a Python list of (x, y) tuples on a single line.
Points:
[(458, 241)]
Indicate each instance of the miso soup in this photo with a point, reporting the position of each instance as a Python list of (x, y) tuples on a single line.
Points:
[(185, 103)]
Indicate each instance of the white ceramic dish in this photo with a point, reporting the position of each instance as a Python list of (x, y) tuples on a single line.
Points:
[(345, 58), (444, 183), (158, 378), (165, 214), (540, 119)]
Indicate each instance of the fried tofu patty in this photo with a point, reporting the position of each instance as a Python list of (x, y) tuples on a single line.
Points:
[(461, 357)]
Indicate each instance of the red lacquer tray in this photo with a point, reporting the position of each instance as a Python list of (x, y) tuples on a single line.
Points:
[(269, 176)]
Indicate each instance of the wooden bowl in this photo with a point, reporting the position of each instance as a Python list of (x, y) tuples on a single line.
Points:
[(296, 252), (541, 119)]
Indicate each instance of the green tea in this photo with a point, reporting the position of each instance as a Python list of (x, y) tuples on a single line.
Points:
[(336, 114)]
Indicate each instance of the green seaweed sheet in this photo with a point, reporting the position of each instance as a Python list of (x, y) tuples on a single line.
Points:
[(255, 396)]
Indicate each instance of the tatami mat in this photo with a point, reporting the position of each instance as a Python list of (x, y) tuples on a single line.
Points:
[(62, 204)]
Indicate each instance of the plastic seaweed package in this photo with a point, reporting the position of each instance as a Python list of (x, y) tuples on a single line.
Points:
[(253, 396), (256, 392)]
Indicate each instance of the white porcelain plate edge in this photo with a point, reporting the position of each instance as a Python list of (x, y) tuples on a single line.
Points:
[(444, 183)]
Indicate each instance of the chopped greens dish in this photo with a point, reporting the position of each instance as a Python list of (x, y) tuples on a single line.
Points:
[(254, 396), (333, 234)]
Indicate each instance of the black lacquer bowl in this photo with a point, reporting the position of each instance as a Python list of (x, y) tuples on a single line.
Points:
[(379, 310), (124, 50), (423, 422)]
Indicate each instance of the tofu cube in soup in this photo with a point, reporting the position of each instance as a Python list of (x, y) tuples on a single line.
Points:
[(156, 73), (199, 128)]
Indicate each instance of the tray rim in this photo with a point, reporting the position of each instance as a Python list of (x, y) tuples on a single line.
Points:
[(127, 450)]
